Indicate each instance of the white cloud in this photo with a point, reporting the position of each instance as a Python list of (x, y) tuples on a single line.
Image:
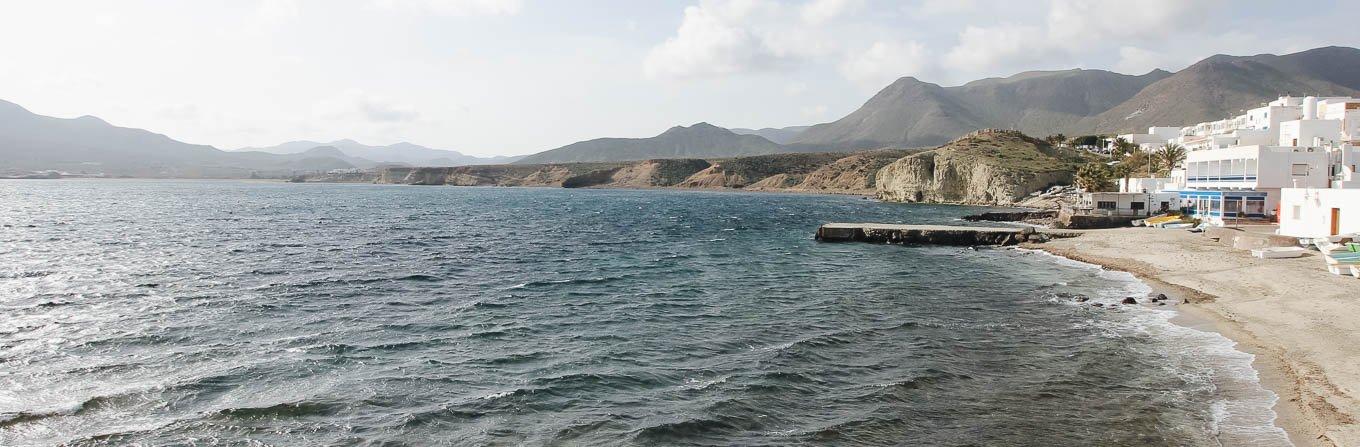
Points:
[(817, 12), (712, 41), (274, 12), (1085, 22), (795, 88), (933, 8), (885, 61), (980, 49), (358, 105), (457, 8), (1134, 60)]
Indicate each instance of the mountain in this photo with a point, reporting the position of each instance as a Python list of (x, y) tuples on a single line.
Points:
[(912, 113), (29, 141), (406, 153), (697, 141), (1223, 86), (780, 135)]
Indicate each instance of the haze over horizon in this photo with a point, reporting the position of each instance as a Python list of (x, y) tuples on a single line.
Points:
[(513, 77)]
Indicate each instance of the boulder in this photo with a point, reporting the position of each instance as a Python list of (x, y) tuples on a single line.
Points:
[(1129, 300)]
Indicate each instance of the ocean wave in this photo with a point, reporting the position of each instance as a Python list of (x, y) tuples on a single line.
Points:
[(686, 431), (1246, 408)]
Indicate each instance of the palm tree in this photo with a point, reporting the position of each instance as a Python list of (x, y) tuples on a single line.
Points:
[(1094, 176), (1170, 156), (1123, 148)]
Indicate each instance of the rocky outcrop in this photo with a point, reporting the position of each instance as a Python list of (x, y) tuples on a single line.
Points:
[(853, 174), (654, 173), (989, 167), (490, 175), (993, 168)]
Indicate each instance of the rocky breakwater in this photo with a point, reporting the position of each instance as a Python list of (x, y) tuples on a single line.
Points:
[(935, 234), (986, 167)]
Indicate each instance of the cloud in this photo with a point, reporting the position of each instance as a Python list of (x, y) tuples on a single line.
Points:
[(982, 48), (712, 41), (817, 12), (885, 61), (457, 8), (1084, 22), (274, 12), (1134, 60), (933, 8), (357, 105)]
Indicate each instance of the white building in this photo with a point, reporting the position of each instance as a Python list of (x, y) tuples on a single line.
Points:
[(1236, 168), (1154, 139), (1319, 212)]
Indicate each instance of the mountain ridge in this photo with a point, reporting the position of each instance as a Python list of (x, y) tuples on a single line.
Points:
[(402, 152), (695, 141), (910, 112)]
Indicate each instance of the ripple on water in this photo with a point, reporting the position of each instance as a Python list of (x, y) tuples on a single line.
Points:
[(369, 314)]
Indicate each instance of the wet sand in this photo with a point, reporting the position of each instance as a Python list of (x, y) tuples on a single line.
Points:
[(1301, 322)]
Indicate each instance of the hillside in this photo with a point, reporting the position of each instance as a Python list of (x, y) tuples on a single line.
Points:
[(910, 112), (989, 167), (817, 172), (87, 144), (697, 141), (1223, 86)]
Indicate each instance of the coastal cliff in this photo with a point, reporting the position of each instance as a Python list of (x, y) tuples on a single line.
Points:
[(987, 167), (990, 167)]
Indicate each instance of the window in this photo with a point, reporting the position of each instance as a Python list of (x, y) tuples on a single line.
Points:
[(1298, 212), (1255, 206), (1299, 169), (1105, 205), (1136, 205), (1166, 206), (1232, 205)]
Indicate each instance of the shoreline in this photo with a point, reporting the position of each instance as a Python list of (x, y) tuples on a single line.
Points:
[(1309, 371)]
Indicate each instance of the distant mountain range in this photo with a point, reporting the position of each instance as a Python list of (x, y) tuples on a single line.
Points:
[(697, 141), (29, 141), (32, 142), (783, 135), (911, 113), (403, 153)]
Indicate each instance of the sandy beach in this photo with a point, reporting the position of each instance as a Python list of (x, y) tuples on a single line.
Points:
[(1295, 317)]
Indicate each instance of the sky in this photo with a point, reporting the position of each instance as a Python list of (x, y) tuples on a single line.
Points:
[(510, 77)]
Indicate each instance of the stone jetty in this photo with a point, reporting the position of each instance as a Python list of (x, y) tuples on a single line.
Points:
[(936, 234)]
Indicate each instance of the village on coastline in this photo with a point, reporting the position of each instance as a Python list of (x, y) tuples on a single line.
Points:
[(1287, 168)]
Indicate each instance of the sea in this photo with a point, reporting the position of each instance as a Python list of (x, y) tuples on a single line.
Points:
[(184, 313)]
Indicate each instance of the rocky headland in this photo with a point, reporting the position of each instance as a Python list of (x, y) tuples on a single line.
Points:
[(987, 167)]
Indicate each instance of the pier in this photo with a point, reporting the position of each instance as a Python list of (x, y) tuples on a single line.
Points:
[(936, 234)]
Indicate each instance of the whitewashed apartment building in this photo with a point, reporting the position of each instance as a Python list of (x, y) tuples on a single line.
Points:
[(1239, 169)]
